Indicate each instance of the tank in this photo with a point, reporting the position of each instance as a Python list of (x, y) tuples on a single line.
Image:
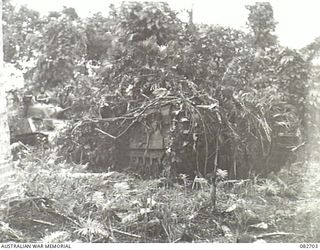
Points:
[(147, 144), (35, 123)]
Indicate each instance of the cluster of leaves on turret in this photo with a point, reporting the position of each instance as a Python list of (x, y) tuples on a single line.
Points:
[(142, 37)]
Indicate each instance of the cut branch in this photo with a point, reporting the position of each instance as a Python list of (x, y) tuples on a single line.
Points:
[(125, 233), (43, 222), (105, 133)]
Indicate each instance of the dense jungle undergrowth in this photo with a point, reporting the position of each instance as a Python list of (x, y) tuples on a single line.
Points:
[(175, 132)]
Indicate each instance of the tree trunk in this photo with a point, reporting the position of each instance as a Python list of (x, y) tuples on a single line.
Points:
[(6, 166)]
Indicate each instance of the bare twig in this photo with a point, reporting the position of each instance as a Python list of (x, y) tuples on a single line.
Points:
[(298, 147), (205, 132), (166, 231), (125, 233), (43, 222), (175, 241), (23, 200), (213, 189), (125, 131), (105, 133), (65, 217), (266, 235)]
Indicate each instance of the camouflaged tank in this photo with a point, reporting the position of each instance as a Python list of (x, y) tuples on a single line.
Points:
[(36, 122)]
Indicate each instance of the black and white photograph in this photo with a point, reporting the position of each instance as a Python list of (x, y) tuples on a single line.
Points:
[(159, 122)]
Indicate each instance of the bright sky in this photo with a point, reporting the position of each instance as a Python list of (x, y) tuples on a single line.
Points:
[(298, 20)]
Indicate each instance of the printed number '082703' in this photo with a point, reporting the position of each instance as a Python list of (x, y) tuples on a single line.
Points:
[(309, 245)]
